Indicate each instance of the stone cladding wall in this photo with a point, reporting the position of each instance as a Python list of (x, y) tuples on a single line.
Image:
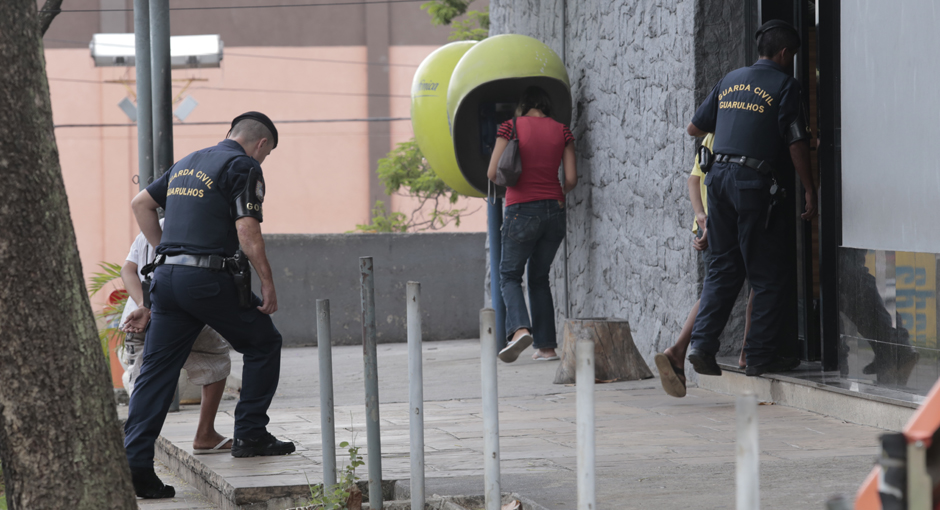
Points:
[(638, 69)]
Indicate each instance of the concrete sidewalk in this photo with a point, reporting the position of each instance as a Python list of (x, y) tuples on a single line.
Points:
[(653, 451)]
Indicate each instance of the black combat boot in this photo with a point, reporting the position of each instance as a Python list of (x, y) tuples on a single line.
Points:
[(264, 446), (147, 485)]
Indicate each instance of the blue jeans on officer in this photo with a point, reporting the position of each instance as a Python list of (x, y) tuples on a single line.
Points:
[(531, 234), (738, 198), (184, 299)]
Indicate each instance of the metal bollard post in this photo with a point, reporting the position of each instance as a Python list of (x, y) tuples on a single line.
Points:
[(488, 351), (584, 380), (494, 222), (327, 419), (373, 438), (747, 476), (416, 395)]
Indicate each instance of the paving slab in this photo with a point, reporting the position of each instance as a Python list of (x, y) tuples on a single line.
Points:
[(653, 451)]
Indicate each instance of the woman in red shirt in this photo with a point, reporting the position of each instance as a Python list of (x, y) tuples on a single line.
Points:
[(534, 224)]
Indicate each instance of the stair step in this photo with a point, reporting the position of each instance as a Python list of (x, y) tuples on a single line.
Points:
[(820, 392), (187, 497)]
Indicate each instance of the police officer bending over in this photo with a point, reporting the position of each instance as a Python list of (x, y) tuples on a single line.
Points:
[(212, 199), (756, 115)]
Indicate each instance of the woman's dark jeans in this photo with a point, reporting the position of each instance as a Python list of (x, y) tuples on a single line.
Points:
[(531, 234)]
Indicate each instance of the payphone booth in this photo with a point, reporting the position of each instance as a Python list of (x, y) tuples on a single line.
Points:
[(429, 115), (486, 86), (461, 93)]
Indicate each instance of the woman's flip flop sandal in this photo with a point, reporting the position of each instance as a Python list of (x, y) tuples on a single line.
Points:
[(670, 376), (514, 349), (216, 449)]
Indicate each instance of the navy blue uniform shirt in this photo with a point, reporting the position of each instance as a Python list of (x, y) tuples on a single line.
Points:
[(197, 194), (750, 110)]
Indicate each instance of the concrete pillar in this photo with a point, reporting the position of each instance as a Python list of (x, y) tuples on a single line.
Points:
[(380, 142)]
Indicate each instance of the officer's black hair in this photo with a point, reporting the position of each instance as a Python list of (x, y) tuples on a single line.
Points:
[(251, 130), (535, 97), (776, 39)]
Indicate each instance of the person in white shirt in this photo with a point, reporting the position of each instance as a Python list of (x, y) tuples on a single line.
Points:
[(208, 364)]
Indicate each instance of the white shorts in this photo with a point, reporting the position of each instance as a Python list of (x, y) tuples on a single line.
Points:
[(208, 362)]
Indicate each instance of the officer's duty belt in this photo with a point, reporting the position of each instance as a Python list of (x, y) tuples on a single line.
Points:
[(760, 165), (214, 262)]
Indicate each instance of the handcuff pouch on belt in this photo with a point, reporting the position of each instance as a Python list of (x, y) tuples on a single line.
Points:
[(241, 273)]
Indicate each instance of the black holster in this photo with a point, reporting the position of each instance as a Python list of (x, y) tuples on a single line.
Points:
[(777, 195), (241, 274), (705, 158), (145, 286), (147, 271)]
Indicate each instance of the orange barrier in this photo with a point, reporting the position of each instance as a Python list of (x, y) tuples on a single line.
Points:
[(921, 427)]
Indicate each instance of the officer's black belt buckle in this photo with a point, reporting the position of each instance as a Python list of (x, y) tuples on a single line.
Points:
[(213, 262)]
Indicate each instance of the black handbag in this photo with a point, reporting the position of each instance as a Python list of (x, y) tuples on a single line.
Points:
[(509, 167)]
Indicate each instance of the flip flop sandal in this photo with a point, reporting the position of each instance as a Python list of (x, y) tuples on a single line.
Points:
[(216, 449), (513, 350), (670, 376)]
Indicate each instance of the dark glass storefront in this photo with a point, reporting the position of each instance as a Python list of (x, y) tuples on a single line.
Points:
[(888, 319)]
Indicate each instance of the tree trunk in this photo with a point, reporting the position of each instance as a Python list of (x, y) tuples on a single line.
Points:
[(60, 442), (616, 357)]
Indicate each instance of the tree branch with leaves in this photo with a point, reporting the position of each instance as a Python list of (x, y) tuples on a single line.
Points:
[(406, 168), (443, 12)]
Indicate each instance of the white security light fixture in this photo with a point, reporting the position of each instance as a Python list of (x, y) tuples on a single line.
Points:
[(186, 51)]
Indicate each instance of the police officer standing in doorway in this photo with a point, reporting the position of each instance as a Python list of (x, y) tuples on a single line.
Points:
[(212, 201), (756, 115)]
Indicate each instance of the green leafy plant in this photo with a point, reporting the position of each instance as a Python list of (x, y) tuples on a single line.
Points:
[(384, 221), (405, 168), (110, 314), (442, 12), (335, 497), (475, 28), (3, 495), (109, 272)]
